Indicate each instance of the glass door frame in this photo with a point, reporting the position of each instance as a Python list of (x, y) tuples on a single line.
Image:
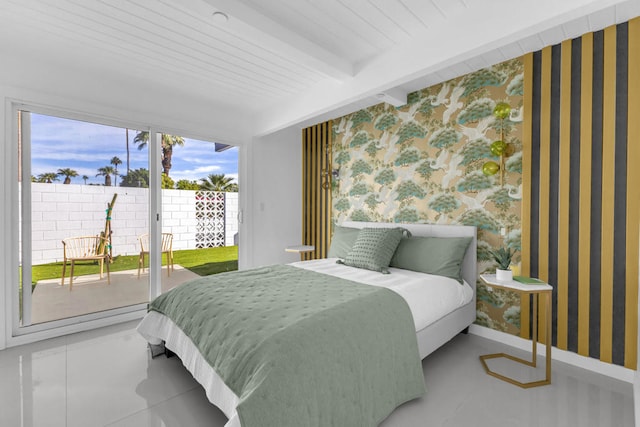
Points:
[(21, 197)]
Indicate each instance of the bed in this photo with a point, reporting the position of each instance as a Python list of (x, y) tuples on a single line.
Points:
[(389, 334)]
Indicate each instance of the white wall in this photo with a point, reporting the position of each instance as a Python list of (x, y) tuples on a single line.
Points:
[(274, 212)]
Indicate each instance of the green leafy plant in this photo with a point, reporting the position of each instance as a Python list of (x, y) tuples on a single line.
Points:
[(503, 257)]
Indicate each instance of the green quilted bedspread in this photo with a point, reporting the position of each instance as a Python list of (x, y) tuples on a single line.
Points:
[(300, 348)]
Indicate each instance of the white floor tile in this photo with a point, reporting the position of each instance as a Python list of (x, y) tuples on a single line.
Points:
[(189, 409), (11, 356), (33, 391), (115, 377), (460, 393), (86, 338), (106, 377)]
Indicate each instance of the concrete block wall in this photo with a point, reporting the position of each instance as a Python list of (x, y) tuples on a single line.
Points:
[(179, 217), (231, 210), (60, 211)]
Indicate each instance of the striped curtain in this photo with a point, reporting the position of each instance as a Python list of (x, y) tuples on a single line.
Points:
[(581, 189), (316, 189)]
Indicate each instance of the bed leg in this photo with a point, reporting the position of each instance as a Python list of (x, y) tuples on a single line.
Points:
[(465, 330), (157, 350)]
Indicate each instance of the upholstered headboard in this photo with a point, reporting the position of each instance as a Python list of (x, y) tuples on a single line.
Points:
[(469, 264)]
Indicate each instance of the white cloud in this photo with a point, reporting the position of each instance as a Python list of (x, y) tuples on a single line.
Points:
[(195, 174), (85, 147)]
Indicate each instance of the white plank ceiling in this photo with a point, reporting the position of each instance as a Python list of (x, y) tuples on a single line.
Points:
[(288, 62)]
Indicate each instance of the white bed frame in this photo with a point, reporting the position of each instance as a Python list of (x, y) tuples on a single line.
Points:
[(435, 335)]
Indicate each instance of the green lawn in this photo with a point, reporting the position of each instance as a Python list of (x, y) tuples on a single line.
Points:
[(201, 261), (208, 261)]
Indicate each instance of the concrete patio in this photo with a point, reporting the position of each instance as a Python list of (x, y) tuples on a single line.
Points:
[(90, 294)]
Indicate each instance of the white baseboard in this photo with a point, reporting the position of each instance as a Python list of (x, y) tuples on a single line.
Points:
[(614, 371), (79, 326), (636, 398)]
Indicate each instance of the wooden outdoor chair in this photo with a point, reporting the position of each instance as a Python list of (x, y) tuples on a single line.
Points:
[(85, 248), (166, 247)]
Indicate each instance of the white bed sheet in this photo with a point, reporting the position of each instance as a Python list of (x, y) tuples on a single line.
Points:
[(156, 327), (429, 297)]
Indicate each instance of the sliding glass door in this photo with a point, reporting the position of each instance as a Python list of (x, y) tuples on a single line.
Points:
[(110, 216), (199, 209), (84, 204)]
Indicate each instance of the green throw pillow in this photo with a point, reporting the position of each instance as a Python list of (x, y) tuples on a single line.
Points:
[(433, 255), (374, 248), (342, 241)]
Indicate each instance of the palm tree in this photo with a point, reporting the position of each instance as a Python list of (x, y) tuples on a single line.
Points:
[(136, 178), (85, 178), (168, 141), (48, 177), (115, 161), (217, 182), (106, 171), (67, 173)]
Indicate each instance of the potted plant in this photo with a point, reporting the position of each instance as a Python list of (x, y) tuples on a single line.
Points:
[(503, 258)]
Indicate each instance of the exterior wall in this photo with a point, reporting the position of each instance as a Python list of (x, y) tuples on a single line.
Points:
[(179, 217), (231, 219), (60, 211)]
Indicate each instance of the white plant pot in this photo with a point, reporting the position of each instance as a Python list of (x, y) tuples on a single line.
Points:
[(504, 275)]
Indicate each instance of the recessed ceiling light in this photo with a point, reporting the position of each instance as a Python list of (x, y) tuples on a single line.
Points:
[(220, 17)]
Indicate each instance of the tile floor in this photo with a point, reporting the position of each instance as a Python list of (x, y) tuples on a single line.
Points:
[(106, 378)]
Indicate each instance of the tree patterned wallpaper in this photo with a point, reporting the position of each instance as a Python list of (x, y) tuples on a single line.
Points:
[(422, 162)]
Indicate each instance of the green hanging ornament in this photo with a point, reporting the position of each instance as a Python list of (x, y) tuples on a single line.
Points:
[(490, 168), (498, 148), (502, 110)]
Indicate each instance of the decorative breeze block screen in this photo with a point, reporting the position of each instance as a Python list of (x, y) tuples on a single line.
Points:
[(210, 215)]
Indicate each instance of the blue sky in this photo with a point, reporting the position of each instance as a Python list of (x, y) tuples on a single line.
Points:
[(84, 147)]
